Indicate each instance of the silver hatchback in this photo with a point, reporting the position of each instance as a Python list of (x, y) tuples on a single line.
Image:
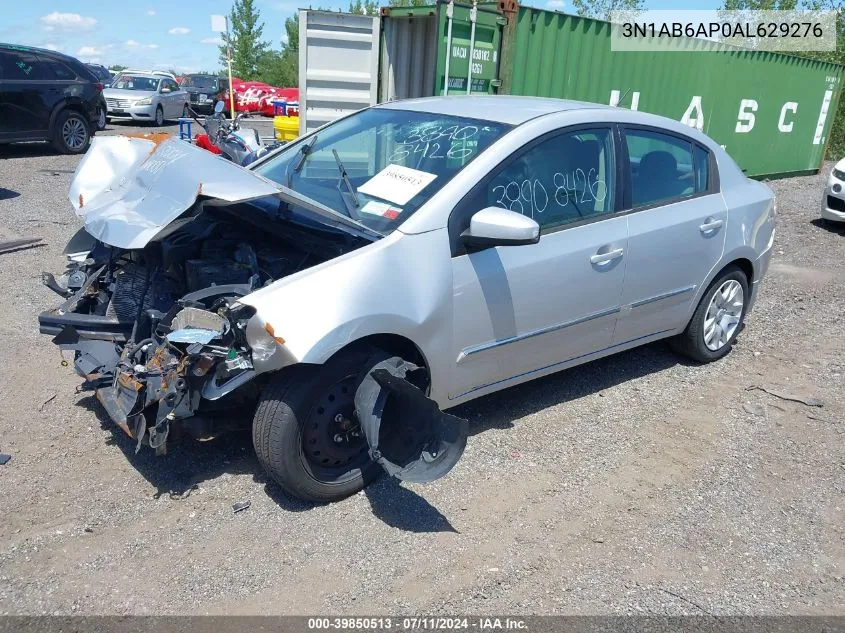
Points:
[(413, 256)]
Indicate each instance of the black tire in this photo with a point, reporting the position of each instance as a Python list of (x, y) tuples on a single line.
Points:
[(294, 420), (691, 341), (102, 119), (159, 117), (76, 143)]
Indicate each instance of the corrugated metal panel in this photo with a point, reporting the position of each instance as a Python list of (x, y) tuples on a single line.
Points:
[(418, 50), (792, 100), (338, 65), (408, 55)]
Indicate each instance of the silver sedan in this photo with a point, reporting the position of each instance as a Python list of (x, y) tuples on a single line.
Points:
[(413, 256), (153, 96)]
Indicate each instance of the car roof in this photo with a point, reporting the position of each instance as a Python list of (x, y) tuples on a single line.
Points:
[(149, 73), (46, 52), (500, 108)]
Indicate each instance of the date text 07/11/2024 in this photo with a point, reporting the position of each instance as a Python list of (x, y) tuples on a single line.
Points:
[(417, 623)]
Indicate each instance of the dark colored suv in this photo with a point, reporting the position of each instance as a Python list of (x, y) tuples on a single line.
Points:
[(204, 91), (48, 96)]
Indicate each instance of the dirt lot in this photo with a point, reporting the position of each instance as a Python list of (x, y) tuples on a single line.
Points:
[(636, 484)]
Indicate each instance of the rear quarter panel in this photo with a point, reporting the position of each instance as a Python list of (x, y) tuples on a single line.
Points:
[(749, 233)]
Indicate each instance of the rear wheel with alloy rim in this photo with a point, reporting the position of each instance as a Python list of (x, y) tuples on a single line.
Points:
[(718, 318), (159, 120), (70, 132)]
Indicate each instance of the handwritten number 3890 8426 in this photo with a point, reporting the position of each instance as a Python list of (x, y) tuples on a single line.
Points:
[(531, 196)]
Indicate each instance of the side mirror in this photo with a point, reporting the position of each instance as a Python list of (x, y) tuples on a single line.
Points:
[(218, 107), (494, 226), (164, 90)]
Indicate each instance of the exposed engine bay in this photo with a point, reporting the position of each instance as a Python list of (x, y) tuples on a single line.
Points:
[(183, 267), (158, 333)]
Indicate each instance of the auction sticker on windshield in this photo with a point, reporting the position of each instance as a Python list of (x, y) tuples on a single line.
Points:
[(380, 208), (397, 184)]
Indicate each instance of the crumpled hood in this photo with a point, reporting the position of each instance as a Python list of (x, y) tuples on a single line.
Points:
[(127, 189)]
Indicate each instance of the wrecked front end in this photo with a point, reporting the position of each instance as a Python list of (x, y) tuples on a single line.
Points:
[(150, 311), (158, 316)]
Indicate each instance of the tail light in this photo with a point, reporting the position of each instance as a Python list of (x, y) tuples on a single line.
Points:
[(99, 86)]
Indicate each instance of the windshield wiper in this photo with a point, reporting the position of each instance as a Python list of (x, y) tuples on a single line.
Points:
[(353, 193), (304, 151)]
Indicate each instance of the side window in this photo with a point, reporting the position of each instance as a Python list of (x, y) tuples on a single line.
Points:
[(24, 65), (172, 85), (54, 69), (702, 169), (661, 167), (563, 179)]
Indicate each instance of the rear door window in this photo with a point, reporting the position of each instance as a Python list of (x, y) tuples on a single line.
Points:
[(54, 69), (662, 167), (702, 169)]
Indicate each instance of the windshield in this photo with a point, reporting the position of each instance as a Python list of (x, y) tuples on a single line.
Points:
[(200, 81), (393, 162), (136, 82)]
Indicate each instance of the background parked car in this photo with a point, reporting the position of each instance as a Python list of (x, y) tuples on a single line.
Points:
[(45, 95), (204, 91), (102, 73), (833, 200), (146, 96)]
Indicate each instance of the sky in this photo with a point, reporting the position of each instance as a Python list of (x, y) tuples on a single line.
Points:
[(169, 34)]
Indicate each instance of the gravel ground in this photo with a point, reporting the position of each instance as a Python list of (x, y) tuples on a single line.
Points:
[(635, 484)]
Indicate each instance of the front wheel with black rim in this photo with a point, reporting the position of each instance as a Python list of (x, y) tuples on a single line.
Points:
[(306, 433), (71, 134), (718, 318), (159, 117)]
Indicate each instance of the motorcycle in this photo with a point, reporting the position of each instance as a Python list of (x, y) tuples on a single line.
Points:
[(227, 138)]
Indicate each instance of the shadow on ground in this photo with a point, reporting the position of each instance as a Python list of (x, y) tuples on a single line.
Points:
[(30, 149), (189, 463), (827, 225)]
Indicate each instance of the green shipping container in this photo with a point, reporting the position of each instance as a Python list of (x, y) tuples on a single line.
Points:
[(772, 112), (422, 46)]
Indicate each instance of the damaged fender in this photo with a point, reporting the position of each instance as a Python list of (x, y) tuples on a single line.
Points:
[(408, 434)]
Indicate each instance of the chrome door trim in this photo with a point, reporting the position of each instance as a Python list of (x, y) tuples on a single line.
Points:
[(665, 295), (562, 362), (481, 347)]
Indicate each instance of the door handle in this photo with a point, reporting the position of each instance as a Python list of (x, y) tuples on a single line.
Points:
[(609, 256), (710, 225)]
